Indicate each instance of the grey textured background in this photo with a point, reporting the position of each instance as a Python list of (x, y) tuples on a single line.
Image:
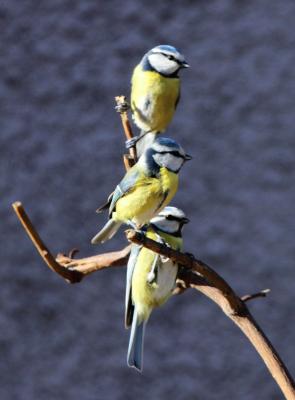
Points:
[(61, 64)]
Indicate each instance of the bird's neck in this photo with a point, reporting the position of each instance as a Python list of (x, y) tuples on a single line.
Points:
[(148, 164)]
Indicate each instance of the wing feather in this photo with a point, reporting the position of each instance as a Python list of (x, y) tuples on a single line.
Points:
[(124, 187)]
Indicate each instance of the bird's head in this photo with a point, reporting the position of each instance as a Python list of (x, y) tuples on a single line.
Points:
[(170, 220), (166, 60), (168, 153)]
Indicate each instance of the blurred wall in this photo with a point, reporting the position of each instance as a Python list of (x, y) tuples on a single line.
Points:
[(61, 64)]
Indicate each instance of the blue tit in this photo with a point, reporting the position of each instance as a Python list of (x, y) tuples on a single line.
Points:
[(150, 278), (146, 188), (155, 92)]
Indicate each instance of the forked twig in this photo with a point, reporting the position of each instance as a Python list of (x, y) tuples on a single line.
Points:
[(194, 274)]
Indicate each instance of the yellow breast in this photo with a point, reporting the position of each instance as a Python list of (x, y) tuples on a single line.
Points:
[(147, 198), (169, 182), (153, 99), (175, 243)]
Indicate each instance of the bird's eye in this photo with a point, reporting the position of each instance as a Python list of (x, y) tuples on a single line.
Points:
[(175, 153), (169, 217), (170, 57)]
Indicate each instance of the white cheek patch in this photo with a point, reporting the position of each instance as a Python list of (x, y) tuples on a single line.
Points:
[(167, 226), (175, 163), (161, 159), (162, 64), (169, 161)]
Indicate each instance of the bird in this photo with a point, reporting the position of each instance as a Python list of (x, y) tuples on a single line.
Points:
[(155, 92), (150, 278), (146, 188)]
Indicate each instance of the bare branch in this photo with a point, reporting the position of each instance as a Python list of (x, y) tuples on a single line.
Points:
[(193, 274), (87, 265)]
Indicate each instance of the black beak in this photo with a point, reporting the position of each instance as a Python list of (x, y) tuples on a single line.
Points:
[(187, 157), (185, 220), (184, 64)]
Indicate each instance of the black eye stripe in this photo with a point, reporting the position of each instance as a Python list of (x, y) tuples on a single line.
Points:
[(174, 153), (170, 57), (172, 218)]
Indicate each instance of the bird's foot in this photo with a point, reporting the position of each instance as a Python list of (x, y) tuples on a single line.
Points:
[(133, 226), (151, 277), (131, 142), (164, 258), (122, 107)]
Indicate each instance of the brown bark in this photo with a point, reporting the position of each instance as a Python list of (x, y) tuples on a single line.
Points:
[(87, 265)]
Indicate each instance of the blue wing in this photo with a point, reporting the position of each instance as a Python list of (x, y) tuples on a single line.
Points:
[(124, 186), (129, 308)]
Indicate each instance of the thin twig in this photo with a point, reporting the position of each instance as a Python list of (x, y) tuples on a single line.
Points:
[(196, 274), (262, 293), (73, 252), (95, 263), (131, 158)]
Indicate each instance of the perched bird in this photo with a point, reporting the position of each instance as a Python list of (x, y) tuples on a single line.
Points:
[(146, 188), (150, 278), (155, 92)]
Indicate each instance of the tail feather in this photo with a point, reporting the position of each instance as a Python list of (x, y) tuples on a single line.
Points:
[(107, 232), (135, 348)]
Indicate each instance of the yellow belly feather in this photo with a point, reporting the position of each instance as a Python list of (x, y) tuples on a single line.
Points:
[(162, 93), (147, 198)]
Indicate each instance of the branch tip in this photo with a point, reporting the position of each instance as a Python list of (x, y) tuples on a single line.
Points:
[(262, 293)]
